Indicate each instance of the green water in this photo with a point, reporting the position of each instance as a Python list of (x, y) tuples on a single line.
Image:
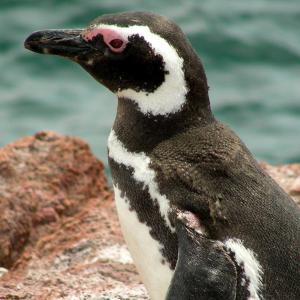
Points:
[(251, 51)]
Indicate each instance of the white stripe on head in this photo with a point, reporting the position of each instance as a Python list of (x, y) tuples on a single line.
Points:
[(170, 96), (246, 258), (139, 162)]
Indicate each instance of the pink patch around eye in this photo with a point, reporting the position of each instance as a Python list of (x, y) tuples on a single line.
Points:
[(111, 38)]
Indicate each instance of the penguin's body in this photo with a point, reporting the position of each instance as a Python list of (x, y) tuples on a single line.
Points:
[(215, 177), (201, 219)]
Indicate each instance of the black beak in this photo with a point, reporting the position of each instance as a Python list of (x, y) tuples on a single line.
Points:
[(67, 43)]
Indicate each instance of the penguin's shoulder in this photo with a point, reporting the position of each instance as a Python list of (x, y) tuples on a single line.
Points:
[(213, 144), (200, 153), (194, 162)]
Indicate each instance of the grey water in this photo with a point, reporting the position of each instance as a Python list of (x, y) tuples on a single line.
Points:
[(250, 49)]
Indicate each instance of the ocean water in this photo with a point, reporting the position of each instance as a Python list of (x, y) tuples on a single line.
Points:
[(250, 49)]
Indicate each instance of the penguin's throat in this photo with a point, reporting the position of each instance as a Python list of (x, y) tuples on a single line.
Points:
[(142, 132)]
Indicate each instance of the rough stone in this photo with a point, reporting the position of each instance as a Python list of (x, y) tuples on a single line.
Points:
[(59, 234), (288, 177)]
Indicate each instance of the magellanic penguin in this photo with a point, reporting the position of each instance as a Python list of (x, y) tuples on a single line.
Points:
[(201, 219)]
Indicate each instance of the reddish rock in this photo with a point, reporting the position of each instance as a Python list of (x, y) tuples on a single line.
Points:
[(41, 181), (288, 177), (59, 233), (295, 188)]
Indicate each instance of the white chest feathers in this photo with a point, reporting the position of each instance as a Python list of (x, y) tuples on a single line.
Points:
[(145, 251)]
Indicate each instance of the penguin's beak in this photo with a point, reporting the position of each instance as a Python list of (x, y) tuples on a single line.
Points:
[(67, 43)]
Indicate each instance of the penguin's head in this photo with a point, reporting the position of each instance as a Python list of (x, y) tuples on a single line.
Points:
[(139, 56)]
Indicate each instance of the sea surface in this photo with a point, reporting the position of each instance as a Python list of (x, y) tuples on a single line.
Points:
[(250, 49)]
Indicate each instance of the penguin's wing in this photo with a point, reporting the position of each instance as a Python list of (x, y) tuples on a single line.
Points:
[(204, 270)]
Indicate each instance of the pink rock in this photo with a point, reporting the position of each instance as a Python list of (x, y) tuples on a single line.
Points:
[(295, 188)]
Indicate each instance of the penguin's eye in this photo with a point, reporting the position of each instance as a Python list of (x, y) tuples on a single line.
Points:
[(116, 43)]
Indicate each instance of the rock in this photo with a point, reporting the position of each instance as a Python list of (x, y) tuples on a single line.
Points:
[(41, 180), (59, 233), (295, 188), (288, 177), (3, 271)]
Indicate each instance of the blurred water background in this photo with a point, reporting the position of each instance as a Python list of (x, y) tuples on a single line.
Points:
[(250, 49)]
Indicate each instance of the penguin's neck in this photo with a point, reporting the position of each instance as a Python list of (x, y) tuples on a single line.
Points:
[(141, 133)]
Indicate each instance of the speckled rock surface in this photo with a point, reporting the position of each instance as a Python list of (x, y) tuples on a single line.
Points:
[(59, 234), (288, 177)]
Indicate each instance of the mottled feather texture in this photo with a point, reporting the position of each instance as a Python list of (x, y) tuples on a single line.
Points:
[(210, 172)]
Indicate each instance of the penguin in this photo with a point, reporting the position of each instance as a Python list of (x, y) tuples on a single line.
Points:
[(200, 217)]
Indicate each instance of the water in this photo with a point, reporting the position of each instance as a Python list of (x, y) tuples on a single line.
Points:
[(250, 49)]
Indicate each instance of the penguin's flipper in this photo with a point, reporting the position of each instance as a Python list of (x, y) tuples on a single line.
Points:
[(204, 270)]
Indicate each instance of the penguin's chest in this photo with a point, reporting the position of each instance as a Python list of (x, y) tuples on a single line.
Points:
[(143, 214), (144, 248)]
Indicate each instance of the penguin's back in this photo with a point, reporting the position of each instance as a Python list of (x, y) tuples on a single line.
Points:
[(210, 171)]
